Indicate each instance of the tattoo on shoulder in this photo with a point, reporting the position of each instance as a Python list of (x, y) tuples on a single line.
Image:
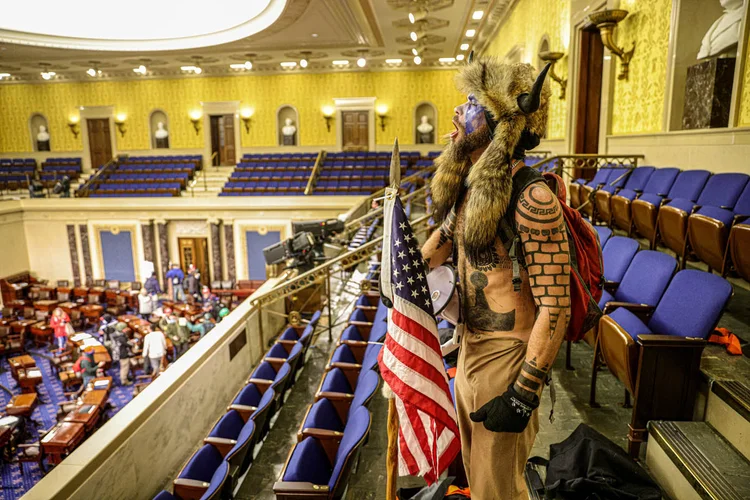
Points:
[(447, 229)]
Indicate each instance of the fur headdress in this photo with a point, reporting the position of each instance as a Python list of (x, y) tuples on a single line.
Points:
[(518, 103)]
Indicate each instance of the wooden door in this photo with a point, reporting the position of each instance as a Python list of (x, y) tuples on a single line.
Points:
[(222, 140), (589, 96), (100, 141), (355, 130), (194, 251)]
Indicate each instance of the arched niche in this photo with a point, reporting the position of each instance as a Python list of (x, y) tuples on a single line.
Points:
[(514, 55), (159, 135), (543, 47), (284, 113), (39, 130), (422, 134)]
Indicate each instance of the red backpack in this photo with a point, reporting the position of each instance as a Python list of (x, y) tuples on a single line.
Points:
[(77, 365), (586, 267)]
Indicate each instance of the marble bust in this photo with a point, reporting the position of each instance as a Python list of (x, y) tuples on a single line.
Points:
[(425, 130), (42, 139), (723, 35), (289, 131), (161, 135)]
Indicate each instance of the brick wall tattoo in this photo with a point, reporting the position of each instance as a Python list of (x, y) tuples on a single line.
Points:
[(447, 228)]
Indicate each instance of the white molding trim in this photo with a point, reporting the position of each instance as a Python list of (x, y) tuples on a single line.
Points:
[(95, 112), (220, 108), (355, 104)]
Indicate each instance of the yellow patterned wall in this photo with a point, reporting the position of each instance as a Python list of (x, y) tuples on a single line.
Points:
[(745, 99), (525, 27), (401, 91), (638, 105)]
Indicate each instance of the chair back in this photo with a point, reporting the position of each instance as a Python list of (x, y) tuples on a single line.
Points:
[(343, 354), (692, 305), (264, 371), (689, 184), (355, 433), (323, 415), (336, 381), (605, 234), (368, 383), (617, 256), (308, 463), (218, 483), (722, 190), (229, 426), (742, 207), (639, 177), (261, 415), (647, 278), (203, 464), (661, 180), (249, 396)]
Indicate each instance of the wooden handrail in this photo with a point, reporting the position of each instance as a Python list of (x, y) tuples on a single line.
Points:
[(313, 180), (84, 190), (354, 225), (564, 164)]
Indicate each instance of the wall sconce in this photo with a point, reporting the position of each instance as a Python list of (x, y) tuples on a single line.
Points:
[(606, 20), (247, 114), (195, 118), (120, 122), (328, 116), (553, 57), (382, 114), (73, 124)]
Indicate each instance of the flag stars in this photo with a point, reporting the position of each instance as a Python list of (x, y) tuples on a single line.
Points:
[(412, 251), (424, 289), (395, 272), (402, 225), (414, 294), (397, 243), (402, 254), (420, 276), (428, 303), (399, 285), (405, 268), (408, 237), (410, 280)]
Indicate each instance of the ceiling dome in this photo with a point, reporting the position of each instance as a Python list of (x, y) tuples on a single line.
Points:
[(139, 27)]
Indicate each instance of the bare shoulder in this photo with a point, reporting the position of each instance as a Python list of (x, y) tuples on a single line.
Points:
[(538, 212)]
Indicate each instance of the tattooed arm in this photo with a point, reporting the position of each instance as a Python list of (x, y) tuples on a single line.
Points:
[(439, 245), (542, 230)]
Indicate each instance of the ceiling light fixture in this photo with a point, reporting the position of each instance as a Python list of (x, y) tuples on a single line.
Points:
[(361, 62), (341, 62), (477, 15), (413, 35), (415, 52), (417, 60), (460, 57), (303, 63), (4, 75), (464, 46), (471, 33), (247, 65), (91, 72), (314, 35), (417, 15), (393, 61), (288, 64), (194, 69), (48, 74), (447, 59), (141, 70)]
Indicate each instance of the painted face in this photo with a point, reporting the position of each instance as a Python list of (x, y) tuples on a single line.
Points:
[(473, 116)]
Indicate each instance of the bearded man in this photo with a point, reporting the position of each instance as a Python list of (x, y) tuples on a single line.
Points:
[(514, 319)]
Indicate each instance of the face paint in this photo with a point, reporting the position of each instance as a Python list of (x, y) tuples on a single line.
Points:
[(473, 115)]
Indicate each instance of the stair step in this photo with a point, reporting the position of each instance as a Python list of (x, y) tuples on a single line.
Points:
[(728, 411), (710, 465)]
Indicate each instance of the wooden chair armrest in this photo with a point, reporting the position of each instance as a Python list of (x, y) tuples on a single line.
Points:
[(670, 340), (224, 445), (261, 383), (354, 343), (189, 489), (275, 362), (321, 433), (610, 286), (242, 408), (365, 324), (630, 306), (288, 344), (300, 490), (346, 366), (334, 396), (368, 308)]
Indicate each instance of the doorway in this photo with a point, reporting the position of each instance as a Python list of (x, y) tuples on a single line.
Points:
[(355, 130), (223, 150), (589, 96), (194, 251), (100, 141)]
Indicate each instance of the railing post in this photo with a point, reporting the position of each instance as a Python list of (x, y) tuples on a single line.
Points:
[(260, 329), (329, 300)]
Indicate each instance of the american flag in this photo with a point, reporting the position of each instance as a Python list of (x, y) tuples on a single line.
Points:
[(410, 362)]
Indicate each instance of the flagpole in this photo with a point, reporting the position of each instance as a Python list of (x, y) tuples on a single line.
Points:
[(391, 459)]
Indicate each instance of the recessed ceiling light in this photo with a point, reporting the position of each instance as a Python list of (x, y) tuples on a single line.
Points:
[(288, 64), (91, 72), (477, 15), (246, 65), (417, 60), (303, 63), (471, 33), (4, 75), (361, 62), (191, 69), (314, 35), (415, 52), (464, 46), (447, 59), (198, 70), (141, 70), (393, 61), (417, 15), (47, 74), (413, 35), (460, 57), (340, 62)]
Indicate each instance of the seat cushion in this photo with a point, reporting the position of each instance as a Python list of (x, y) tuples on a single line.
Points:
[(336, 381), (653, 198), (203, 464), (351, 333), (720, 214), (630, 322), (249, 396), (682, 203), (606, 297), (308, 463), (628, 194), (323, 415), (367, 384)]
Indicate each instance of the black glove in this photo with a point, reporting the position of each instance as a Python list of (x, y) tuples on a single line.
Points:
[(509, 412)]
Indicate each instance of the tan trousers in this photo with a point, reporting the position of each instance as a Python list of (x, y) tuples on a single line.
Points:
[(494, 461)]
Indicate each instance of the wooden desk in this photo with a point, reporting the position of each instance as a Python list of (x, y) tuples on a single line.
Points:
[(127, 318), (22, 405), (64, 292), (92, 311), (98, 384), (86, 414), (95, 397), (41, 333), (45, 305), (101, 354), (188, 311), (29, 378), (19, 363), (81, 291), (22, 325), (16, 305), (61, 440), (68, 307)]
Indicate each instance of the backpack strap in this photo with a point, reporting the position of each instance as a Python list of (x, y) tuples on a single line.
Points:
[(523, 178)]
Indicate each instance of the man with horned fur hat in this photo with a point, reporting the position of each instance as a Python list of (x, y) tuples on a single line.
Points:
[(513, 331)]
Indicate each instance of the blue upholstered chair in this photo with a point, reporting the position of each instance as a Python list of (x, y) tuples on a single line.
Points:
[(658, 185), (234, 438), (709, 228), (205, 476), (617, 255), (320, 465), (605, 234), (280, 353), (575, 196), (687, 186), (689, 309), (266, 376), (615, 181), (636, 182), (721, 191)]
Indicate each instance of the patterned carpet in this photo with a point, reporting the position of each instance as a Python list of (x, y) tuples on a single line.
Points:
[(15, 484)]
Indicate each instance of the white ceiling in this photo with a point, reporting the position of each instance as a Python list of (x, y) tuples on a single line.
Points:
[(318, 30)]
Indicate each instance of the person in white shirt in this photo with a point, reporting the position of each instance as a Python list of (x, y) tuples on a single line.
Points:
[(146, 303), (154, 349)]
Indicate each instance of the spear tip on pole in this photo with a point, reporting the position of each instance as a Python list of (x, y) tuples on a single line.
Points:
[(395, 166)]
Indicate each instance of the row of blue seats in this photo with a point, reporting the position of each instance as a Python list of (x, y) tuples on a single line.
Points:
[(12, 169), (351, 192), (214, 470), (61, 168), (279, 156), (372, 174), (371, 154), (262, 193), (164, 158), (172, 175), (260, 174), (156, 166), (123, 185), (364, 234), (129, 195), (265, 184), (63, 160), (277, 165), (327, 184), (17, 161), (12, 177), (340, 406)]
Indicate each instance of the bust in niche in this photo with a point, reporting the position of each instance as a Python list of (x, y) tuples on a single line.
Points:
[(425, 130), (42, 139), (289, 132), (161, 135), (722, 37)]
